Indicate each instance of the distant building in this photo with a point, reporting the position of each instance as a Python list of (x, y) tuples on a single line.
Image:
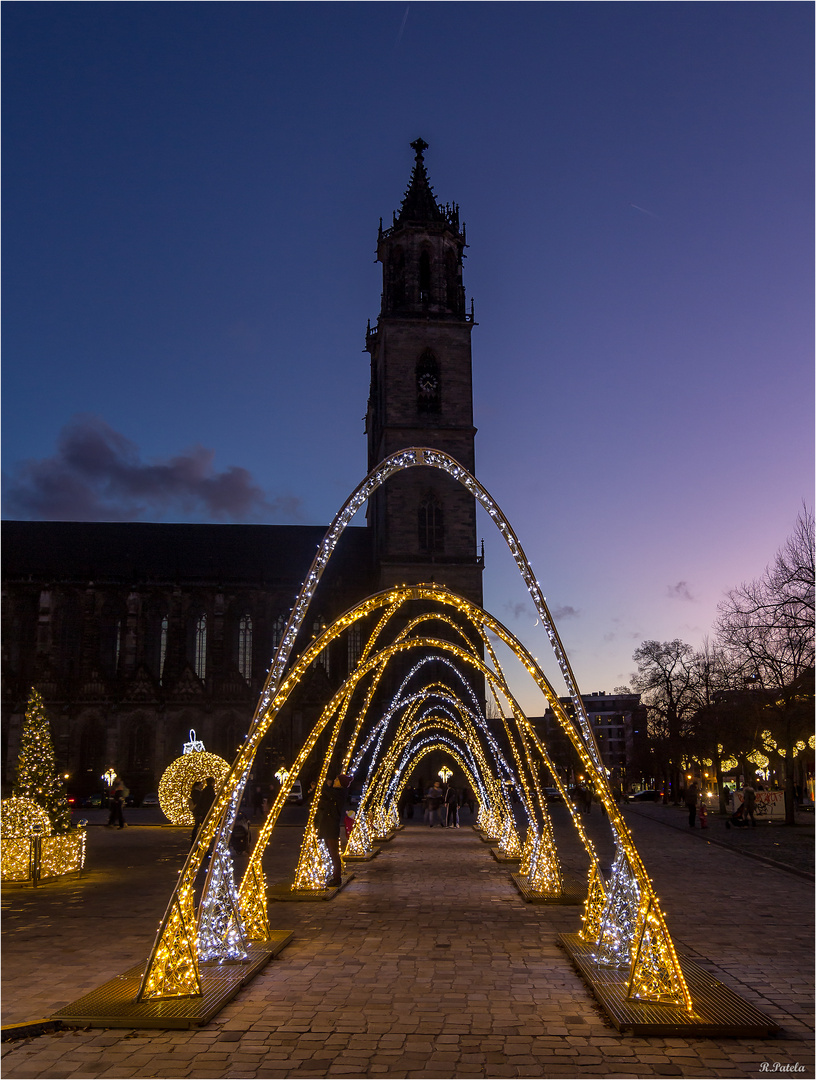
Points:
[(137, 633), (618, 722)]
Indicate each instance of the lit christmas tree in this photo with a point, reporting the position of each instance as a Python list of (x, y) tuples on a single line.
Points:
[(37, 776)]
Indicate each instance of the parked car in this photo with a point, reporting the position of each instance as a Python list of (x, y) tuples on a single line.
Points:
[(151, 799), (87, 800), (649, 795), (553, 794), (296, 794)]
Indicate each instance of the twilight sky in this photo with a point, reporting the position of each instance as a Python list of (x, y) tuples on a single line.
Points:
[(191, 200)]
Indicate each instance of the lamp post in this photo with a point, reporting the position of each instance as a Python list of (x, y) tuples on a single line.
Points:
[(109, 776), (445, 773)]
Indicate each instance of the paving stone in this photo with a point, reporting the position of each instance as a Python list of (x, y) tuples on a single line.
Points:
[(363, 989)]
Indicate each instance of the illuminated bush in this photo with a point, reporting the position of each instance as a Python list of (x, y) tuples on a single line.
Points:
[(20, 815)]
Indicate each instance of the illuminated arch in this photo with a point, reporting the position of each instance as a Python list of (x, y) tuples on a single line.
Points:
[(217, 931)]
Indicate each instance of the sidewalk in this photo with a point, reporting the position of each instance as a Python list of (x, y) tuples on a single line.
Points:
[(787, 847), (428, 964)]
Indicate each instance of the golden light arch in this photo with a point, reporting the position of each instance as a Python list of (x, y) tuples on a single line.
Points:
[(216, 931)]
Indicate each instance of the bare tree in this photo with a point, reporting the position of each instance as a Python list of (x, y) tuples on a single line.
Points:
[(766, 625), (665, 680), (716, 686)]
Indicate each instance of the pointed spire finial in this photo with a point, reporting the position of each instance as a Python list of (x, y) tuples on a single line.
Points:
[(420, 146)]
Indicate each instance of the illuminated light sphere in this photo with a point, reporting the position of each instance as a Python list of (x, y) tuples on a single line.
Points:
[(178, 779), (20, 815)]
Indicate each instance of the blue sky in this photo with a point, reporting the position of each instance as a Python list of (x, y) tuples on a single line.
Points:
[(191, 200)]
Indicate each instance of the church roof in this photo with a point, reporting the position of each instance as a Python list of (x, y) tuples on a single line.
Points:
[(147, 552), (419, 205)]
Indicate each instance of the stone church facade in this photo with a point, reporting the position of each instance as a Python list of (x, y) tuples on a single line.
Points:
[(136, 633)]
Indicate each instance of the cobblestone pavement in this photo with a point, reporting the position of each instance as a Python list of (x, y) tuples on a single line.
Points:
[(782, 845), (428, 964)]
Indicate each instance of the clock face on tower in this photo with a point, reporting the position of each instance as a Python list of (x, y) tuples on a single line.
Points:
[(428, 384)]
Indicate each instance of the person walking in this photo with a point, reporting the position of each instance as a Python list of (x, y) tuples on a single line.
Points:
[(117, 804), (451, 807), (749, 802), (690, 798), (406, 804), (240, 842), (434, 798), (331, 808), (202, 801)]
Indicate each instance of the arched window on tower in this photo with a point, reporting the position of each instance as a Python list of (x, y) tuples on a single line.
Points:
[(397, 266), (429, 397), (431, 524), (245, 647), (425, 276), (452, 281), (200, 648)]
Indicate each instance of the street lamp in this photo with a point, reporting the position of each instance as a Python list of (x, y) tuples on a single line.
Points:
[(445, 773), (109, 777)]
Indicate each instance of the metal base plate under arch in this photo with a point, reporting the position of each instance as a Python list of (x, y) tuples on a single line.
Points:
[(718, 1010), (114, 1005)]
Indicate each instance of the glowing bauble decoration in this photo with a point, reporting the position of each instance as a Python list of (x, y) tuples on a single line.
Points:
[(178, 779), (20, 815)]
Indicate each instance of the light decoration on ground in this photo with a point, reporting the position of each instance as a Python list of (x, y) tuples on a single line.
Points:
[(37, 777), (592, 917), (171, 953), (176, 784), (22, 818), (619, 917), (509, 844), (315, 870), (63, 853), (359, 843), (220, 927), (544, 875), (528, 849), (31, 849), (17, 860)]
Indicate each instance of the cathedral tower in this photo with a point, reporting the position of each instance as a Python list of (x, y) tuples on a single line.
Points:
[(421, 394)]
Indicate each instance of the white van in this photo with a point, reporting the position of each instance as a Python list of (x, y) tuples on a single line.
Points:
[(296, 794)]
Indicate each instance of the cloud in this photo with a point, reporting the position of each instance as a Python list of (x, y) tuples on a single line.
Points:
[(680, 591), (566, 611), (519, 610), (98, 474)]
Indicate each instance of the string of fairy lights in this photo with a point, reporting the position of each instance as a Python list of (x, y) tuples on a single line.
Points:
[(625, 915)]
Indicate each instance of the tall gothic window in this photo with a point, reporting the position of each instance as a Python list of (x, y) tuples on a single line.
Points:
[(355, 645), (397, 278), (323, 655), (278, 626), (431, 524), (245, 647), (200, 661), (427, 383), (163, 646), (424, 276)]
